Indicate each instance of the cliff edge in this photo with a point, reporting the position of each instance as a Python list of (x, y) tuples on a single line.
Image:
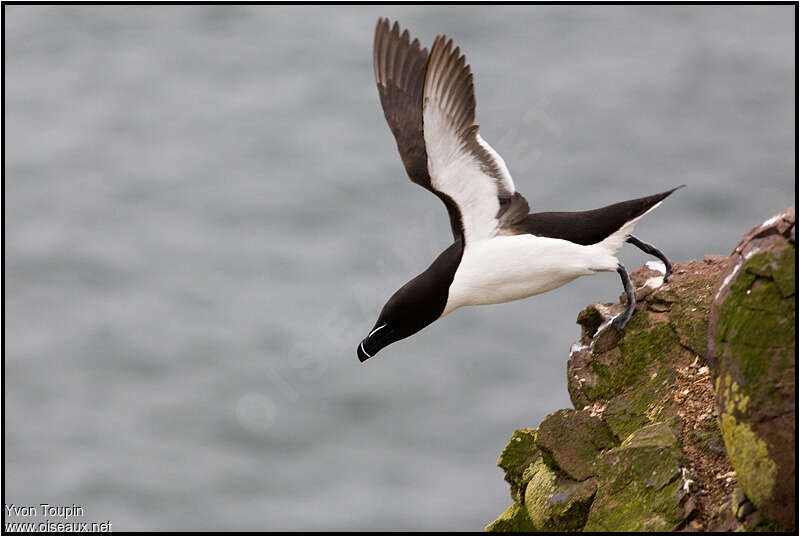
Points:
[(685, 420)]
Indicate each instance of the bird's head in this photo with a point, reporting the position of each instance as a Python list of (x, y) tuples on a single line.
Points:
[(407, 312), (414, 306)]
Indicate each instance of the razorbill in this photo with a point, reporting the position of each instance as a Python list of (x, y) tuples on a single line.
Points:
[(500, 251)]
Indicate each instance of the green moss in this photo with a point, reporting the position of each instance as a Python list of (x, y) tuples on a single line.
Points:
[(555, 502), (763, 296), (622, 418), (755, 314), (755, 328), (513, 520), (648, 402), (641, 348)]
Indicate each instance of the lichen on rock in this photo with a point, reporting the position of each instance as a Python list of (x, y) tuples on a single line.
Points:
[(748, 453)]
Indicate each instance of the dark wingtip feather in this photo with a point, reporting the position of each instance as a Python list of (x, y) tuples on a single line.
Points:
[(400, 67), (451, 82)]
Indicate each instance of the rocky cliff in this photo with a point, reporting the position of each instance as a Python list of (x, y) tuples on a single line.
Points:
[(685, 420)]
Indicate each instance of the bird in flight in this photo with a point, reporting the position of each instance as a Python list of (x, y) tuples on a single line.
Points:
[(500, 251)]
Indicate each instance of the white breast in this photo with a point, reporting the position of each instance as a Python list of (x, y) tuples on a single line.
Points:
[(506, 268)]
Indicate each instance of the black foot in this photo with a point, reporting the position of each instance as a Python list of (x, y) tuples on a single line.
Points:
[(652, 250), (620, 321)]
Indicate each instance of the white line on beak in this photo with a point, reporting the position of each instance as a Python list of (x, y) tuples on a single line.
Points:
[(381, 326)]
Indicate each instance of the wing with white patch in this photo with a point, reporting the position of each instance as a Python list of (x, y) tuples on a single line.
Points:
[(462, 166)]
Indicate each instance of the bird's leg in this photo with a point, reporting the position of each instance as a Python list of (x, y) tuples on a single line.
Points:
[(622, 319), (652, 250)]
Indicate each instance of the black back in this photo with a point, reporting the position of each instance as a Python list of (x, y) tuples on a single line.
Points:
[(588, 227)]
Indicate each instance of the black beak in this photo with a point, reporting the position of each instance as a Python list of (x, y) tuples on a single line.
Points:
[(375, 341)]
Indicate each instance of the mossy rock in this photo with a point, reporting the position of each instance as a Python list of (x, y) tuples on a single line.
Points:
[(640, 484), (556, 503), (648, 402), (570, 440), (513, 520), (519, 455), (574, 469), (623, 416), (751, 344), (630, 363)]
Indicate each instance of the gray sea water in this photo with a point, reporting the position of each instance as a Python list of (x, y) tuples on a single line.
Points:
[(205, 212)]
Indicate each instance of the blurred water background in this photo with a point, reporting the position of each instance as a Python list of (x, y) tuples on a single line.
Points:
[(205, 211)]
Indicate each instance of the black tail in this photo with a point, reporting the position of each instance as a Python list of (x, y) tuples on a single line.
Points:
[(642, 205), (590, 227)]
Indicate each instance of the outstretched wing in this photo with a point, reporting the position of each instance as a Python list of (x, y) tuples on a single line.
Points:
[(461, 165), (400, 66)]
